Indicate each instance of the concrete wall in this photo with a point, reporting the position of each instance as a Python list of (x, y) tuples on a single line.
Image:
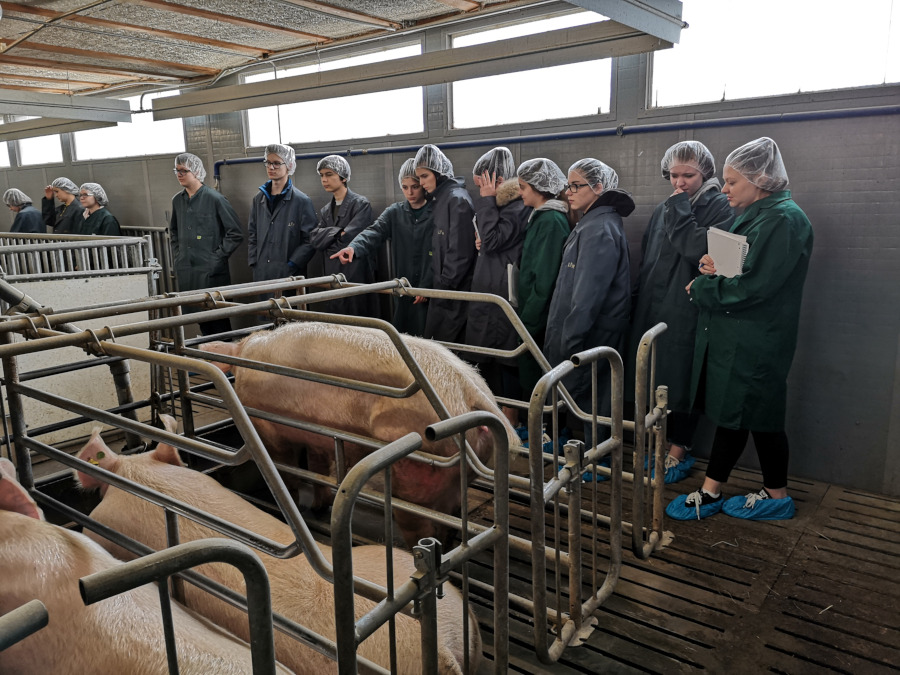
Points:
[(844, 406)]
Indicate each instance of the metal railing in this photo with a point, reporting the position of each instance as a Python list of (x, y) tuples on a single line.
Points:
[(568, 616), (44, 257)]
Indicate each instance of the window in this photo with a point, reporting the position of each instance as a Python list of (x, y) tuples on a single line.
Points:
[(142, 136), (773, 47), (33, 151), (385, 113), (39, 150), (531, 95)]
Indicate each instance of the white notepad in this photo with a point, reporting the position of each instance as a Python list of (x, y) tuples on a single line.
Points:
[(728, 251), (512, 281)]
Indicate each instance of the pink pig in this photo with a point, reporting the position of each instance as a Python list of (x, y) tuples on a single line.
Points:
[(298, 592), (368, 355), (123, 634)]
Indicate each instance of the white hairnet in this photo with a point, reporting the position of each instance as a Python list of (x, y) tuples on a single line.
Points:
[(692, 153), (596, 173), (192, 163), (287, 154), (337, 164), (15, 197), (497, 161), (431, 158), (760, 162), (407, 170), (65, 185), (98, 192), (543, 175)]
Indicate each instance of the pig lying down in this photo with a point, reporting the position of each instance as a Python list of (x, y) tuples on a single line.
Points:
[(298, 593), (368, 355), (117, 636)]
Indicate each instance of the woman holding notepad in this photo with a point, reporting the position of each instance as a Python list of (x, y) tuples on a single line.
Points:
[(746, 337), (672, 245)]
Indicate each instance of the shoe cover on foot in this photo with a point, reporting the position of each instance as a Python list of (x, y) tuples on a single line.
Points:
[(689, 507), (678, 469), (759, 506)]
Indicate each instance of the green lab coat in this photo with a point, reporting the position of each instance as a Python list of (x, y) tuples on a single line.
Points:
[(747, 330)]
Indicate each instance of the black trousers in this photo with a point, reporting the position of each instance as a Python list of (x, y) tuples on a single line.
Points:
[(771, 448), (728, 445)]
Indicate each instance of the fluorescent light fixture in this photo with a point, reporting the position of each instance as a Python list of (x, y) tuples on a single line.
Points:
[(64, 106), (46, 126), (552, 48)]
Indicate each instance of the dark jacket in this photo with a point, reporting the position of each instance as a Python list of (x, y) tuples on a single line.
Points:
[(545, 238), (278, 242), (205, 231), (672, 246), (747, 331), (28, 220), (453, 258), (334, 232), (63, 219), (501, 223), (410, 236), (592, 300), (101, 222)]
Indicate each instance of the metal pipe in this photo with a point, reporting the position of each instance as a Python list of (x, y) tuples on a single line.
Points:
[(620, 130), (22, 622), (159, 566)]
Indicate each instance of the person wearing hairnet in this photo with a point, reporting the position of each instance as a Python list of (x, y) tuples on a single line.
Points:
[(746, 336), (541, 183), (453, 243), (409, 225), (673, 243), (591, 304), (344, 216), (28, 219), (205, 231), (97, 218), (501, 217), (66, 217), (281, 220)]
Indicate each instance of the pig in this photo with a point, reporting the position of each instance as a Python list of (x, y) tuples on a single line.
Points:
[(123, 634), (363, 354), (298, 592)]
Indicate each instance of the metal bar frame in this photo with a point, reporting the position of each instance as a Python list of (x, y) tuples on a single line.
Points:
[(569, 626)]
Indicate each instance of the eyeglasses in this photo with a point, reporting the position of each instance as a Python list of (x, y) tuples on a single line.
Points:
[(574, 187), (85, 195), (273, 165), (181, 172)]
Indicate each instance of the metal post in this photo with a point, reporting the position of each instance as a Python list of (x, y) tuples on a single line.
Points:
[(426, 556)]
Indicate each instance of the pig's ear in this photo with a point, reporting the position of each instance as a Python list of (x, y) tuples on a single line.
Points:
[(164, 452), (226, 348), (96, 452), (13, 496)]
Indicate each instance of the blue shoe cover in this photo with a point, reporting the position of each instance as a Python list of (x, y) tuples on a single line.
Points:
[(759, 506), (590, 477), (522, 433), (677, 470), (684, 507)]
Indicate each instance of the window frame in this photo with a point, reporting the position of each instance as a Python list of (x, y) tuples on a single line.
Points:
[(528, 15), (339, 53), (74, 155), (828, 99)]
